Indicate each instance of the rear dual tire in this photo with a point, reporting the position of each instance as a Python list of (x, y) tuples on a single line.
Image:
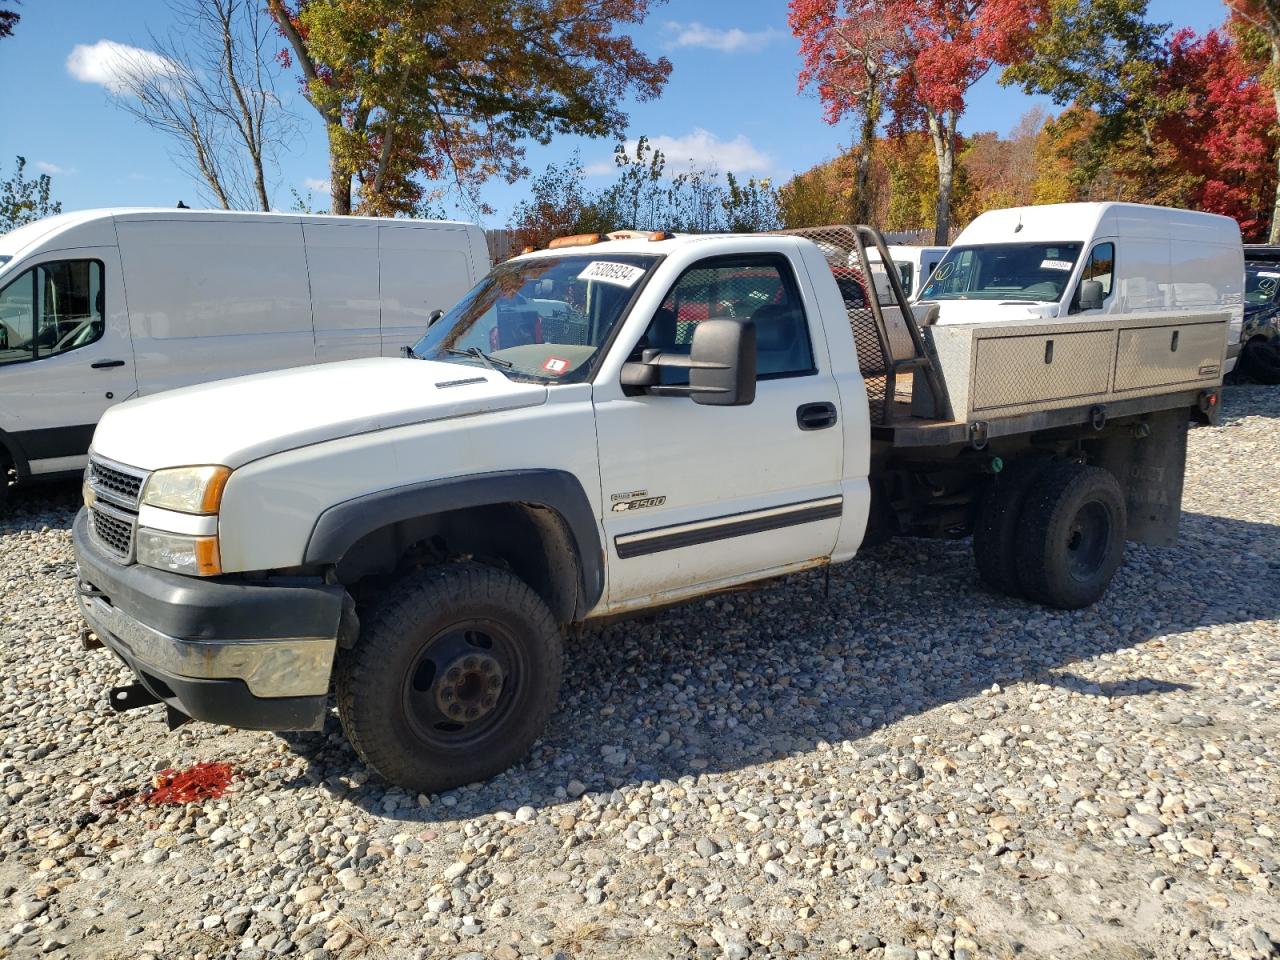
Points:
[(1053, 534)]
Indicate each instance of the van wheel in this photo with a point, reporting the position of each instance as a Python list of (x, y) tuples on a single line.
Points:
[(1070, 536), (453, 678), (996, 526), (8, 477), (1261, 360)]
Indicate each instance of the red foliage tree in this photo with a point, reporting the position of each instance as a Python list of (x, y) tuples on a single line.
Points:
[(849, 53), (1225, 133), (947, 47)]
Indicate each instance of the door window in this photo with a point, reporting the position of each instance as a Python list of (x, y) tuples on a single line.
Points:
[(1101, 267), (51, 309), (757, 288)]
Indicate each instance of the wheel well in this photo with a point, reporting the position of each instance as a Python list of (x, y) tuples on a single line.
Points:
[(532, 541)]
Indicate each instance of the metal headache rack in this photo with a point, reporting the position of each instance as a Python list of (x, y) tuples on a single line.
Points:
[(901, 380)]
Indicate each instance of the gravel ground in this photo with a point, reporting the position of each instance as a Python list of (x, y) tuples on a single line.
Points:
[(910, 769)]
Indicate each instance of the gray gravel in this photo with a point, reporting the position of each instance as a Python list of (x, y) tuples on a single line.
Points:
[(911, 769)]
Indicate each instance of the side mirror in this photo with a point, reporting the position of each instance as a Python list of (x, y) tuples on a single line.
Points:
[(433, 318), (723, 371), (721, 365), (1091, 295)]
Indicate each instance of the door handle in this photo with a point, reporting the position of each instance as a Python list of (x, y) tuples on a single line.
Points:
[(816, 416), (103, 364)]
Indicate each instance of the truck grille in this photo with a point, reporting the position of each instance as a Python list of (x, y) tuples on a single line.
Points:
[(117, 489), (113, 531), (113, 482)]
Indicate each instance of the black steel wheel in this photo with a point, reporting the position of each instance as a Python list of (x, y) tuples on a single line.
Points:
[(453, 678), (1070, 537)]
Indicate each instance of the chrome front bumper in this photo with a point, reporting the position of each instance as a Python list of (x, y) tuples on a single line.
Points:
[(279, 667)]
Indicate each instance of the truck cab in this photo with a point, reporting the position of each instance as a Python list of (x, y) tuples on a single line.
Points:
[(596, 429)]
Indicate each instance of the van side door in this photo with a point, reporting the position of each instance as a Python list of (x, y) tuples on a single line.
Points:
[(65, 355), (421, 269), (342, 266)]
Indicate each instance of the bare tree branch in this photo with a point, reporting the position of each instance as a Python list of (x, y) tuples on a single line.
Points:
[(212, 90)]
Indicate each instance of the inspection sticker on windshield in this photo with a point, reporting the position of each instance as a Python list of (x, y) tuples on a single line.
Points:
[(621, 274), (1055, 265), (556, 365)]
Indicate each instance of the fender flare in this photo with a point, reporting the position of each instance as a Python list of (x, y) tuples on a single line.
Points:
[(341, 526)]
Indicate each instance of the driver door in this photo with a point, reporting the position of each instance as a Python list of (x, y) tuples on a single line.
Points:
[(696, 494)]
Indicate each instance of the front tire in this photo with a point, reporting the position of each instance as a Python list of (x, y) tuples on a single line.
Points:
[(1071, 536), (453, 678), (1261, 361)]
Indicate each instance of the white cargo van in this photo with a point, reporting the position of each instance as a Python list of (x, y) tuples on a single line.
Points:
[(1079, 260), (103, 305), (915, 266)]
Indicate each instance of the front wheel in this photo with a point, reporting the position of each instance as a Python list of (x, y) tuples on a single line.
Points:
[(1260, 360), (453, 678)]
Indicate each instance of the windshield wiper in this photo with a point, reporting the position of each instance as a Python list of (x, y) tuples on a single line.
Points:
[(476, 353)]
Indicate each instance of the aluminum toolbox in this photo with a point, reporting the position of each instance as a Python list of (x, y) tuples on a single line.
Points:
[(1013, 367)]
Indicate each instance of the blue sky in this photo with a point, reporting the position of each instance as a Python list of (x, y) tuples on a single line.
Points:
[(731, 101)]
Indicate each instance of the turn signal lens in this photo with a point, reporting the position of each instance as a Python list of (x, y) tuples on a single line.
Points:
[(179, 553)]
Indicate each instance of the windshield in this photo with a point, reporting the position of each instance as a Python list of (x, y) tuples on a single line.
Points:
[(1261, 283), (544, 319), (1035, 272)]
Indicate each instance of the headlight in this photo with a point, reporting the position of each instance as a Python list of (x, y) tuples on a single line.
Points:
[(186, 489), (179, 552)]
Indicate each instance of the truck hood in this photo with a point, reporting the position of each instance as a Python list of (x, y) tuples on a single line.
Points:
[(991, 311), (232, 422)]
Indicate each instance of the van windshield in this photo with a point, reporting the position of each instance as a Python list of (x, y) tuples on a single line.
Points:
[(1034, 272), (543, 319)]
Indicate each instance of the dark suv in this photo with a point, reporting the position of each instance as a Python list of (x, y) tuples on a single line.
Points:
[(1260, 341)]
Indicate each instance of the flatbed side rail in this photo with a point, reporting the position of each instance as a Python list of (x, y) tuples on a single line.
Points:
[(882, 358)]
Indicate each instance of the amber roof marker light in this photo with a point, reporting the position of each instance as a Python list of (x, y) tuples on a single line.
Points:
[(577, 240)]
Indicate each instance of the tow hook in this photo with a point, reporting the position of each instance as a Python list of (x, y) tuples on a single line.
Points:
[(131, 697), (89, 640), (136, 695)]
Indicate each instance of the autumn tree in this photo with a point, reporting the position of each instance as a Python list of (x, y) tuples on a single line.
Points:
[(1263, 16), (210, 86), (448, 91), (946, 47), (1002, 172), (849, 58), (1224, 129), (8, 20), (24, 201), (558, 203)]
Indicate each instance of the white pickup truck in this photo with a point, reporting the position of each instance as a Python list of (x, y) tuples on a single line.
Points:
[(599, 428)]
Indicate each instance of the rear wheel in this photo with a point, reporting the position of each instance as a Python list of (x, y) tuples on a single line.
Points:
[(1070, 536), (8, 478), (1261, 360), (995, 529), (453, 678)]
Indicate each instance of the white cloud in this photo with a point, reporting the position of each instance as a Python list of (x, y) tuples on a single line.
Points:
[(733, 40), (698, 149), (108, 63), (315, 183), (44, 166)]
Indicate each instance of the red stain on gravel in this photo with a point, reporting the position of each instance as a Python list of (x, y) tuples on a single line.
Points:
[(204, 781)]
